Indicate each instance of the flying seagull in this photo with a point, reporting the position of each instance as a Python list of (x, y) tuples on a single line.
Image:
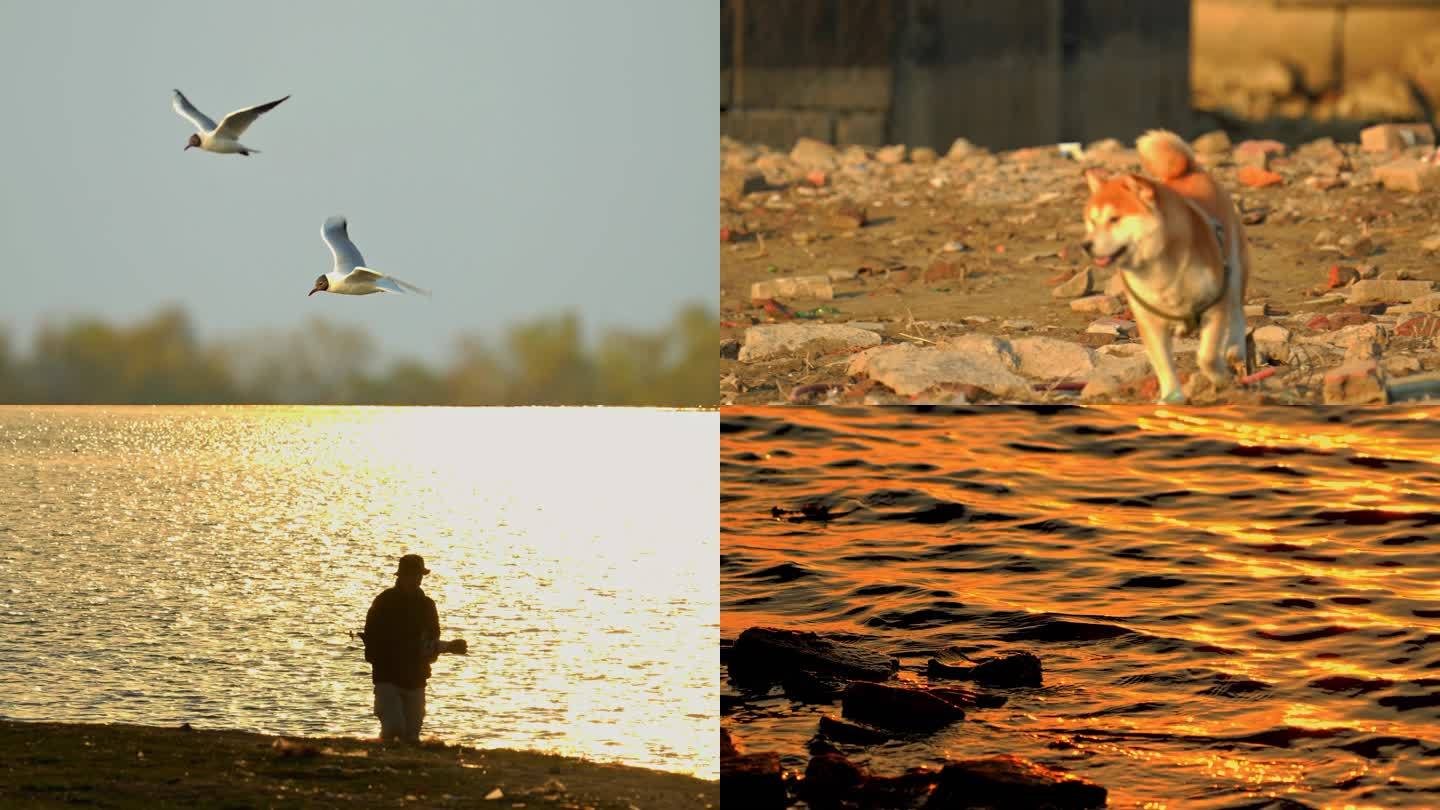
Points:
[(224, 138), (348, 276)]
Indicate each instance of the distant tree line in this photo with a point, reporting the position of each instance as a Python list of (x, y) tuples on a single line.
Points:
[(545, 361)]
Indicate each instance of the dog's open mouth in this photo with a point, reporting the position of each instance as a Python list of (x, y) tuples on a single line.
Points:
[(1104, 261)]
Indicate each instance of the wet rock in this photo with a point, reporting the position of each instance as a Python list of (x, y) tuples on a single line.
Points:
[(1010, 781), (1010, 670), (909, 370), (1212, 143), (767, 654), (1394, 137), (969, 698), (833, 728), (812, 687), (898, 707), (811, 154), (753, 780), (1408, 174), (1355, 384), (1045, 358), (1378, 291), (1098, 305), (830, 779), (727, 745), (785, 339), (1077, 286)]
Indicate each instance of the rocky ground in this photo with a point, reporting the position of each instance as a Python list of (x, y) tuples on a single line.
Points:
[(64, 764), (897, 276), (876, 707)]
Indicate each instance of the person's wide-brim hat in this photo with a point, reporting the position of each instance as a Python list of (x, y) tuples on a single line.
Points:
[(412, 564)]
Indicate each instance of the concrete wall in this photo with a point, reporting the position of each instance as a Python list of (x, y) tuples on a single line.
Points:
[(924, 72)]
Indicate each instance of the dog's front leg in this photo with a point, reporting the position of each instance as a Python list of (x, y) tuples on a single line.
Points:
[(1155, 334), (1215, 349)]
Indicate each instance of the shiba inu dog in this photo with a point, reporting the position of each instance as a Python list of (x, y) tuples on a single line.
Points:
[(1178, 243)]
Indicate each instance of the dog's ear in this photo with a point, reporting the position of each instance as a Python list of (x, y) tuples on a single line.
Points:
[(1142, 187), (1095, 178)]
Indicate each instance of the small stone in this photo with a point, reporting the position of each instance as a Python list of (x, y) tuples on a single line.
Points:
[(1393, 137), (961, 149), (1258, 178), (1112, 326), (811, 154), (1394, 275), (1010, 781), (1271, 333), (1355, 384), (831, 778), (899, 708), (1257, 310), (1368, 291), (1212, 143), (817, 287), (844, 731), (847, 218), (754, 780), (735, 184), (1408, 174), (891, 154), (1046, 358), (1098, 305), (943, 271), (1430, 244), (782, 340), (765, 654), (955, 247), (841, 274), (923, 154), (729, 349), (1367, 270), (1078, 286)]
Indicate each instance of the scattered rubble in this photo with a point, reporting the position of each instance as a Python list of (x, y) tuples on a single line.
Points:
[(902, 275)]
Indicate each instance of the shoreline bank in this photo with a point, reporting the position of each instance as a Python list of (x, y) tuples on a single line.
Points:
[(119, 765)]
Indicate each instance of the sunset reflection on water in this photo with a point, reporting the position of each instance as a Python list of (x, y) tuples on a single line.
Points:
[(1189, 578)]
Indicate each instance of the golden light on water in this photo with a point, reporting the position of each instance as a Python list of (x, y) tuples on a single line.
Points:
[(573, 548)]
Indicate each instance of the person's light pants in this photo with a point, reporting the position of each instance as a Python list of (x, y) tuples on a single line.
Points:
[(401, 711)]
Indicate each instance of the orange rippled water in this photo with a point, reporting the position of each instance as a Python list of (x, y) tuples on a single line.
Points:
[(1229, 604)]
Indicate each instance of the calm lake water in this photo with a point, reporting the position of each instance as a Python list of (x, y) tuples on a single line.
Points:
[(205, 565), (1228, 604)]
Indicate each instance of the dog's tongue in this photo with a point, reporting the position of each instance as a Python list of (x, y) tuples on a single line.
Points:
[(1103, 260)]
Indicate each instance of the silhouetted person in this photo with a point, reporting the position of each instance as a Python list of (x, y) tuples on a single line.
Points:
[(402, 631)]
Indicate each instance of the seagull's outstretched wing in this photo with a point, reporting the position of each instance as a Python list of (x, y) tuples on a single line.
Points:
[(187, 110), (347, 256), (234, 125), (393, 284)]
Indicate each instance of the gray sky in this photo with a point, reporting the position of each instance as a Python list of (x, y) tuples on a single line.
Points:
[(518, 158)]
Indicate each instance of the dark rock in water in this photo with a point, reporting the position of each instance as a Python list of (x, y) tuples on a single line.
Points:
[(1009, 781), (834, 728), (1015, 669), (899, 708), (727, 745), (752, 780), (905, 790), (1271, 804), (969, 698), (831, 779), (812, 687), (729, 703), (769, 653)]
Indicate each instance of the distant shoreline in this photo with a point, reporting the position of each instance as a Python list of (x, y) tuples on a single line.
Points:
[(130, 766)]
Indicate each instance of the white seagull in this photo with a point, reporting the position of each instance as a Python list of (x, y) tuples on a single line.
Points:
[(348, 276), (226, 137)]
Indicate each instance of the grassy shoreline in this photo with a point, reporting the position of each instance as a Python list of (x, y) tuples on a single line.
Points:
[(127, 766)]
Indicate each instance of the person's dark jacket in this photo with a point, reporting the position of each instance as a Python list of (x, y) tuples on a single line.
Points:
[(397, 628)]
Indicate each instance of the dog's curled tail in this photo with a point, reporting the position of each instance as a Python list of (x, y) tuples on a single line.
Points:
[(1165, 155)]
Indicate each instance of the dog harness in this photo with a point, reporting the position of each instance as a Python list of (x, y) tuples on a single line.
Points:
[(1191, 320)]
